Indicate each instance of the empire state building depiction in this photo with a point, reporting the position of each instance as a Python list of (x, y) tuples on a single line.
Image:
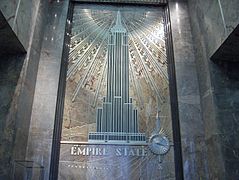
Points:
[(117, 120)]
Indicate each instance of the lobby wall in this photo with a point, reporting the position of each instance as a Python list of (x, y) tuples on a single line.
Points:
[(21, 15), (207, 98), (191, 123), (212, 22), (10, 68), (40, 137), (44, 106), (26, 18)]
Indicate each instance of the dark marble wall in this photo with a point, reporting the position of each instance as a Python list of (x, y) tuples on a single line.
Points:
[(10, 68), (9, 43), (16, 126), (212, 22), (191, 123), (40, 138), (21, 16), (28, 80), (209, 118)]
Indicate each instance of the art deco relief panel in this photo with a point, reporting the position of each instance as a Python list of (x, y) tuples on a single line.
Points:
[(117, 116)]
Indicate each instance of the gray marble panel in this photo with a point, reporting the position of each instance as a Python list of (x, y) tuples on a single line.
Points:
[(231, 125), (21, 16), (187, 80), (219, 93), (24, 103), (215, 158), (228, 121), (208, 114), (9, 43), (195, 163), (190, 120), (21, 27), (227, 101), (231, 14), (18, 118), (202, 65), (183, 49), (228, 51), (47, 77), (40, 22), (10, 68), (9, 7), (9, 73), (39, 116), (212, 25), (191, 124), (43, 111)]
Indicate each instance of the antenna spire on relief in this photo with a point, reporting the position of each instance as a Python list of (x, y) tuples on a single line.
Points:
[(118, 27)]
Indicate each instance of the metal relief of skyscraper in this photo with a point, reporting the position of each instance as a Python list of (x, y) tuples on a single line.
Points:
[(117, 120)]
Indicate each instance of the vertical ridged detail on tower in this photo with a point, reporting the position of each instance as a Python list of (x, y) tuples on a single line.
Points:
[(118, 119)]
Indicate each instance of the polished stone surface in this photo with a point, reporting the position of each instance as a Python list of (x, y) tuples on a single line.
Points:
[(120, 162), (214, 23), (228, 51), (44, 104), (211, 25), (21, 15), (18, 117), (9, 43), (213, 110), (10, 68), (192, 126), (227, 55), (231, 14), (28, 81)]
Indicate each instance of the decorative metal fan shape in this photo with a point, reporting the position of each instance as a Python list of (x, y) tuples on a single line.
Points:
[(88, 49)]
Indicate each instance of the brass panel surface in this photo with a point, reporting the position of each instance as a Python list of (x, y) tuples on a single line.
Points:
[(139, 67)]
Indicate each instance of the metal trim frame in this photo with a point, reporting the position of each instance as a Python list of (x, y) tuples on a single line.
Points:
[(54, 164), (55, 151), (173, 97)]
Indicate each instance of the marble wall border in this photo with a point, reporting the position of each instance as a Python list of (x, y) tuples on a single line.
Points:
[(173, 97), (40, 130), (55, 152), (54, 164)]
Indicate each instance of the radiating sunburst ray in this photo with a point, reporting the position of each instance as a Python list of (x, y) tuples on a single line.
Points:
[(146, 50), (87, 82)]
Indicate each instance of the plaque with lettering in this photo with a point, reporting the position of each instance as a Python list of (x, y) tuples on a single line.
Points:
[(117, 116)]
